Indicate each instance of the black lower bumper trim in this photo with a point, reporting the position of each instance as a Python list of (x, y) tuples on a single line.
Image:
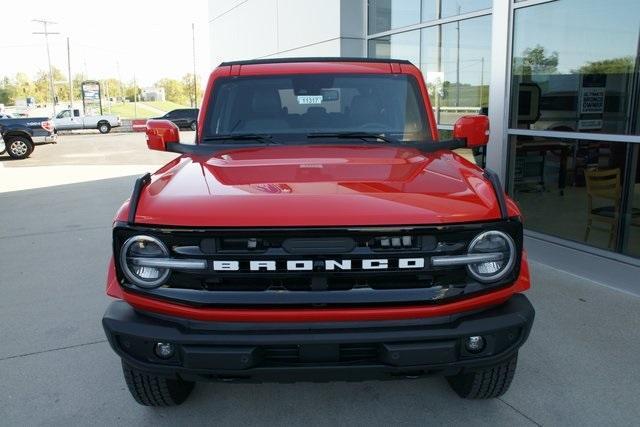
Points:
[(308, 351)]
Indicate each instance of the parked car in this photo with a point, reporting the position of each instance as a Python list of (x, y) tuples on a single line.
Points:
[(184, 118), (20, 135), (73, 119), (317, 229)]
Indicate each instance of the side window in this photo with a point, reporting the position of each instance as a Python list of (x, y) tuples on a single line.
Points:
[(170, 115), (64, 114), (76, 113)]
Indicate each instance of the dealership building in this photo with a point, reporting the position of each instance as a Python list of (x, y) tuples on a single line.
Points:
[(559, 80)]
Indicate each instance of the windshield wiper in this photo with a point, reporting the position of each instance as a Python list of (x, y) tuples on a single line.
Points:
[(268, 139), (354, 135)]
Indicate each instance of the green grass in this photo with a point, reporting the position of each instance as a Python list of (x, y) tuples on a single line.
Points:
[(126, 111), (144, 109), (165, 105)]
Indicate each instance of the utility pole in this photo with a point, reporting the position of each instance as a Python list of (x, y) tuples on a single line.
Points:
[(135, 97), (46, 33), (481, 80), (69, 71), (121, 83), (458, 61), (195, 88), (106, 90)]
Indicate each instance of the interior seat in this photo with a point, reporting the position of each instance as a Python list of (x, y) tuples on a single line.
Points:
[(266, 114)]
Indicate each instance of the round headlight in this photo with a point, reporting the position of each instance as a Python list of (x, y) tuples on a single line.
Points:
[(492, 242), (138, 247)]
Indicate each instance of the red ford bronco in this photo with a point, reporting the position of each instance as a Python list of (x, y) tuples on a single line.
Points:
[(317, 230)]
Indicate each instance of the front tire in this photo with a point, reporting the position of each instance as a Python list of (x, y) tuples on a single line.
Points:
[(19, 147), (486, 383), (104, 127), (152, 390)]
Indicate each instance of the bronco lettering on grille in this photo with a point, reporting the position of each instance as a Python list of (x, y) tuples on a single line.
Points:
[(329, 264)]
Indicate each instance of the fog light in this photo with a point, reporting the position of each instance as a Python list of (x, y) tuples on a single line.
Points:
[(164, 350), (474, 344)]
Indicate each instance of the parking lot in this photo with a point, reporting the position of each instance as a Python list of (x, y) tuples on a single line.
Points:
[(580, 366)]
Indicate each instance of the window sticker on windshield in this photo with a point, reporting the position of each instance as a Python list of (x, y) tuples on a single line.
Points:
[(309, 99)]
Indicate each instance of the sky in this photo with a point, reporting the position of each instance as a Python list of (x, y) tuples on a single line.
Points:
[(114, 38)]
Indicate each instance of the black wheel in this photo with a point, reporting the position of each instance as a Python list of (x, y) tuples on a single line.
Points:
[(152, 390), (486, 383), (19, 147), (104, 127), (193, 125)]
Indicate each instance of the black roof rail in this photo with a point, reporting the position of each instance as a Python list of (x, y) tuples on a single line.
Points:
[(314, 59)]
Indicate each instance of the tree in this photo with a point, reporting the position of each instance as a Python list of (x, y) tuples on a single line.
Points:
[(174, 91), (113, 87), (8, 91), (24, 86), (535, 61), (77, 86), (622, 65), (42, 88), (187, 83)]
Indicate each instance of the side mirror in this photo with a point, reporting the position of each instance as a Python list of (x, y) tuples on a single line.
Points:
[(160, 133), (473, 129)]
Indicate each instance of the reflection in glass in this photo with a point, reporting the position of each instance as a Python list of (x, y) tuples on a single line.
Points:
[(455, 61), (385, 15), (429, 10), (457, 7), (630, 243), (397, 46), (574, 189), (573, 65)]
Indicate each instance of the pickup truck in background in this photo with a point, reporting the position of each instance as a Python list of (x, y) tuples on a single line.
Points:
[(73, 119), (18, 136)]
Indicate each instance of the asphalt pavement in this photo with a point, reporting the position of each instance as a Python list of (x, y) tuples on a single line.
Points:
[(579, 367)]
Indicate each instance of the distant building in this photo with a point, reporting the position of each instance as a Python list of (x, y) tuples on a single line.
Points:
[(153, 94)]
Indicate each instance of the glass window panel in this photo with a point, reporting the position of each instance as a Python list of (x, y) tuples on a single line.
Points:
[(572, 189), (631, 232), (385, 15), (397, 46), (457, 7), (430, 64), (573, 65), (429, 10), (461, 79)]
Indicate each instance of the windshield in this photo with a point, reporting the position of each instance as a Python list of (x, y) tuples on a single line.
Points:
[(303, 105)]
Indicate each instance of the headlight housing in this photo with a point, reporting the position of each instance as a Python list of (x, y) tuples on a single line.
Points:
[(492, 242), (137, 247)]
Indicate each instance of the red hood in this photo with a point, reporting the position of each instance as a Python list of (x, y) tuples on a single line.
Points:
[(317, 186)]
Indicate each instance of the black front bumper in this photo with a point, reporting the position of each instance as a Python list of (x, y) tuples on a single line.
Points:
[(317, 351)]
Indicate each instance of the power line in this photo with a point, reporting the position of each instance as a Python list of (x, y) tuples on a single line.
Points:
[(46, 33)]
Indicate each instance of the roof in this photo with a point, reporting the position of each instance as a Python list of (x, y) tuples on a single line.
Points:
[(314, 59)]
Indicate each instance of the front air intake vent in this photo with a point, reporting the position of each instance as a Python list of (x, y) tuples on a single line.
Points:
[(319, 245)]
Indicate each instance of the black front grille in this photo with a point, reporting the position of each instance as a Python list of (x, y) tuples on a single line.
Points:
[(317, 249)]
